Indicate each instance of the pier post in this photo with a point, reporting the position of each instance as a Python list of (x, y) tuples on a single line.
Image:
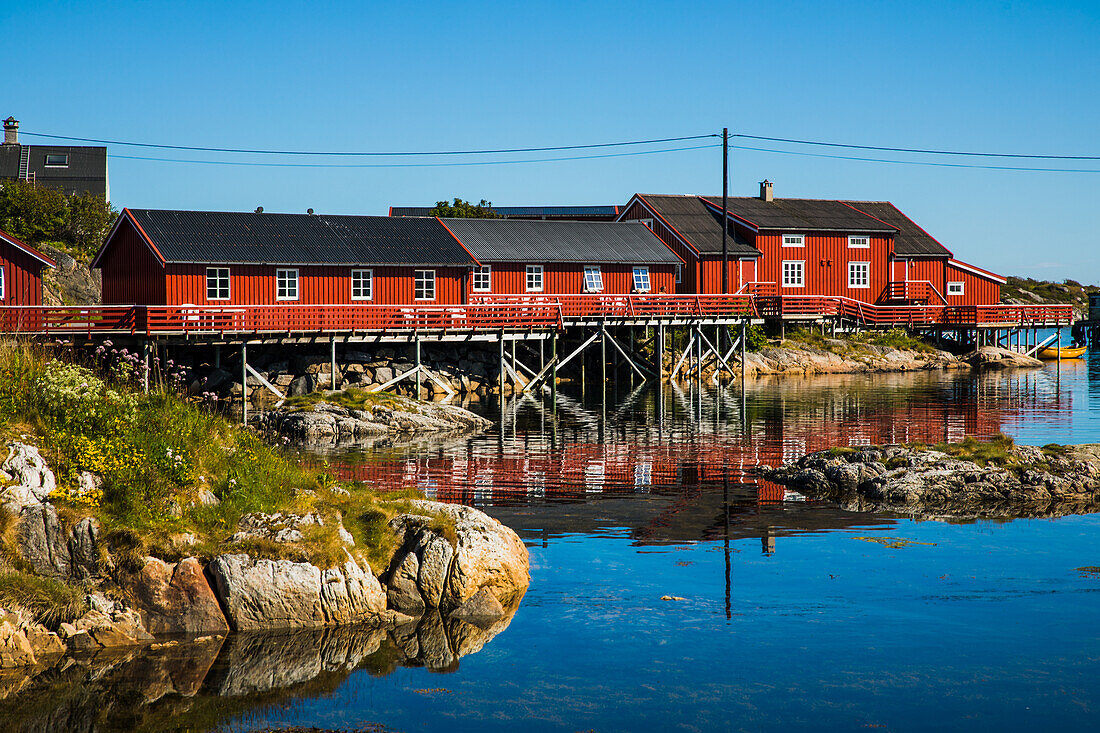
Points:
[(244, 383), (659, 351), (501, 365), (332, 362), (145, 362), (603, 357), (554, 372), (744, 338), (416, 346)]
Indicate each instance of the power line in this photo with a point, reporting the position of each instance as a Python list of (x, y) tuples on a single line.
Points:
[(372, 153), (410, 165), (919, 162), (916, 150)]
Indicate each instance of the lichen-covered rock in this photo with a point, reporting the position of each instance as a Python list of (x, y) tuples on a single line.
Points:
[(107, 623), (54, 551), (24, 642), (277, 527), (175, 598), (995, 357), (351, 594)]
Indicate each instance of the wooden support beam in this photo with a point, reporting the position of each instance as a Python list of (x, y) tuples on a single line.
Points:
[(683, 356), (264, 382), (244, 383), (642, 372), (579, 349)]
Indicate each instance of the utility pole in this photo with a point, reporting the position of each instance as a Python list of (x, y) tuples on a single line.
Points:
[(725, 210)]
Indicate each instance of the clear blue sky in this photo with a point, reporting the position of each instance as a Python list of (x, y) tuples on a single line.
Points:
[(996, 76)]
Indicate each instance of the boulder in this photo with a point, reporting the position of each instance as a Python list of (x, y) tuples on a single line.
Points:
[(107, 624), (24, 642), (27, 468), (300, 386), (351, 594), (277, 527), (994, 357), (175, 598), (54, 552)]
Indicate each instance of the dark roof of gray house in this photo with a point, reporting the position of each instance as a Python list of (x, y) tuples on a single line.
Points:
[(73, 169), (248, 238), (594, 242), (910, 238), (698, 224), (800, 215), (606, 213)]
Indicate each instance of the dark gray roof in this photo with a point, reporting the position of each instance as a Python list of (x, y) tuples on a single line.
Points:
[(85, 170), (606, 213), (910, 239), (242, 238), (698, 224), (517, 240), (801, 214)]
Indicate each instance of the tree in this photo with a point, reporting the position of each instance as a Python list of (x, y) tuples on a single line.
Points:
[(464, 210), (36, 215)]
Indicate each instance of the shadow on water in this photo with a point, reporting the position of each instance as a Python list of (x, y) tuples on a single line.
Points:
[(200, 685)]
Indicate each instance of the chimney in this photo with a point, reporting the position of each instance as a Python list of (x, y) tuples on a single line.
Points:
[(766, 191), (11, 131)]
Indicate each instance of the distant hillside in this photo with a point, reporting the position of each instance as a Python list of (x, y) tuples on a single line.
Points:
[(1024, 290)]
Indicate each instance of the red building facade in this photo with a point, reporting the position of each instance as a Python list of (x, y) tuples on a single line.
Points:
[(21, 270)]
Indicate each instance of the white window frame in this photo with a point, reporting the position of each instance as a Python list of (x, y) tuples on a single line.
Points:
[(3, 282), (852, 238), (216, 272), (679, 274), (534, 279), (798, 240), (866, 270), (485, 271), (424, 277), (801, 273), (48, 164), (596, 284), (643, 271), (290, 274), (960, 291), (648, 222), (364, 276)]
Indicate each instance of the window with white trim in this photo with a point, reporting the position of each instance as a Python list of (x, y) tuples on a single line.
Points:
[(859, 242), (641, 279), (362, 284), (534, 278), (286, 284), (3, 285), (483, 279), (593, 279), (794, 240), (217, 283), (956, 288), (794, 272), (424, 286), (859, 274)]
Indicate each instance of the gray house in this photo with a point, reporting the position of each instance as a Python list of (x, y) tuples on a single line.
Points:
[(70, 168)]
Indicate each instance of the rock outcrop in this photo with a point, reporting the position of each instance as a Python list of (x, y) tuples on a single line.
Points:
[(808, 359), (24, 642), (995, 357), (175, 598), (327, 423), (1025, 482)]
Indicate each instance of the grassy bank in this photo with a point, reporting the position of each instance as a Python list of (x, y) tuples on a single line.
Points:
[(855, 344), (160, 459)]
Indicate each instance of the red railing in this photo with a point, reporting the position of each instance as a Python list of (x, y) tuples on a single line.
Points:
[(1022, 315), (914, 290), (70, 319), (598, 306)]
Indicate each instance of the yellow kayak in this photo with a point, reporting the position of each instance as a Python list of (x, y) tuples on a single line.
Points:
[(1067, 352)]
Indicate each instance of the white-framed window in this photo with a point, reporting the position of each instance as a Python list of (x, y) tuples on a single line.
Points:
[(794, 273), (859, 242), (424, 288), (593, 279), (57, 160), (641, 279), (859, 274), (286, 284), (794, 240), (3, 284), (217, 283), (483, 279), (534, 278), (956, 288), (362, 284), (679, 274)]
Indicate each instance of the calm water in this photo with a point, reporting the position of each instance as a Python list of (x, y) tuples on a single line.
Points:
[(790, 616)]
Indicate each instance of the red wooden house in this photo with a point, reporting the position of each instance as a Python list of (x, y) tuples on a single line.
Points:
[(863, 250), (20, 272), (154, 257), (219, 258), (564, 257)]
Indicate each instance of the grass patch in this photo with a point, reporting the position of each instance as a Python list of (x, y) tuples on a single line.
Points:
[(996, 452), (158, 454), (857, 344), (49, 601), (352, 398)]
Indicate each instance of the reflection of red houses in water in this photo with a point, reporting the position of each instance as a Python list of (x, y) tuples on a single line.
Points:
[(529, 468)]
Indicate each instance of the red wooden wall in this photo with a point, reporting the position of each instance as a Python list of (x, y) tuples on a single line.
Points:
[(22, 276), (132, 274), (509, 278), (826, 270), (977, 290), (317, 285)]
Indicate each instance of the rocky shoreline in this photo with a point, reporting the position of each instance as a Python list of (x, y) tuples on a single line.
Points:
[(451, 561), (808, 359), (327, 424), (1014, 481)]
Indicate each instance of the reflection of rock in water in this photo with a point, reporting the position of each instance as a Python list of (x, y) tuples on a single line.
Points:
[(189, 685)]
